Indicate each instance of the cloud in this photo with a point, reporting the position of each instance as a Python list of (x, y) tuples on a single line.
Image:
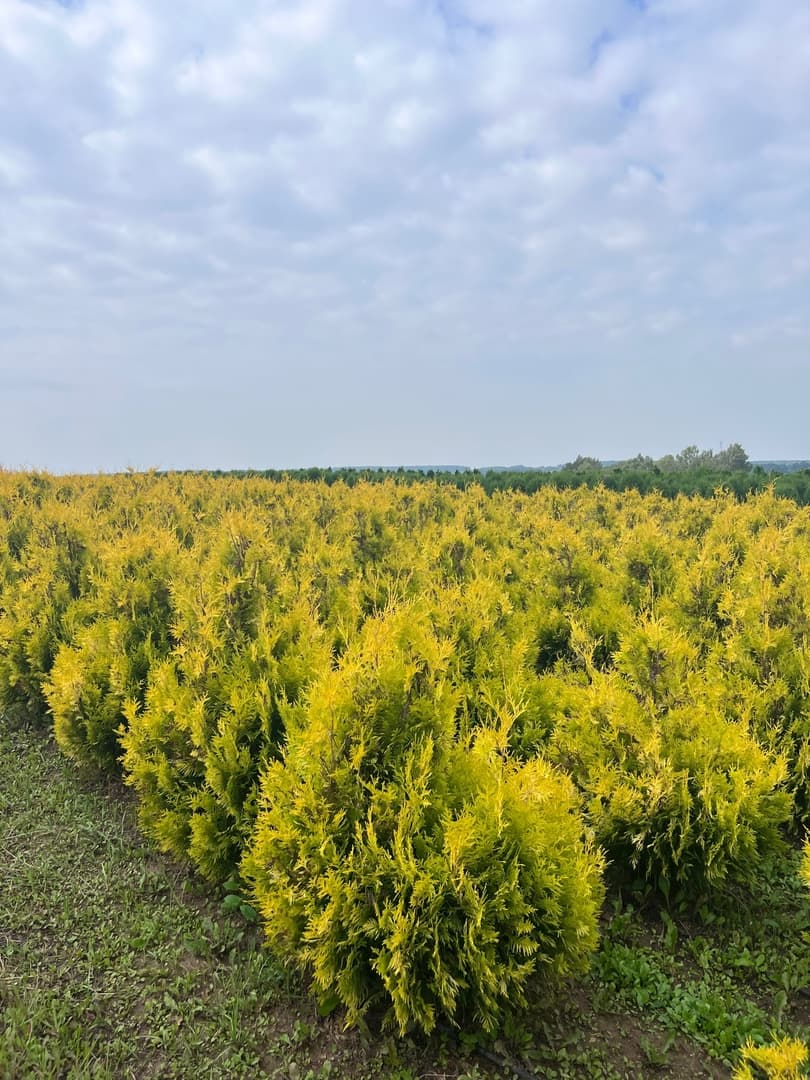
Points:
[(482, 224)]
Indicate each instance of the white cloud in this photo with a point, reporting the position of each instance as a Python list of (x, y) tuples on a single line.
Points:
[(15, 168), (517, 207)]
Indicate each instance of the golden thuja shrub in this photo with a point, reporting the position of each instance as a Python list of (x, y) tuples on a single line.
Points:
[(246, 645), (681, 798), (786, 1059), (763, 665), (38, 593), (404, 870), (804, 870), (121, 628), (417, 651)]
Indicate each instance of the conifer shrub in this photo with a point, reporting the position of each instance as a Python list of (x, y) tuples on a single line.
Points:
[(805, 865), (681, 799), (492, 661), (785, 1059), (194, 752), (649, 568), (701, 587), (421, 652), (124, 627), (86, 690), (656, 660), (246, 645), (406, 871), (36, 599), (762, 668)]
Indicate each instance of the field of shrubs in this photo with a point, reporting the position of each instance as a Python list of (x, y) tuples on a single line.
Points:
[(419, 730)]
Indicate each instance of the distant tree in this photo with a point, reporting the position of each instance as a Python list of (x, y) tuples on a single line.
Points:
[(690, 457), (583, 463), (640, 461), (733, 457)]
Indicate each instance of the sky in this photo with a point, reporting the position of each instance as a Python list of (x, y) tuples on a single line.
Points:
[(328, 232)]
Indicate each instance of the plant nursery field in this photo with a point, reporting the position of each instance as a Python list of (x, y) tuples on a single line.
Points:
[(401, 780)]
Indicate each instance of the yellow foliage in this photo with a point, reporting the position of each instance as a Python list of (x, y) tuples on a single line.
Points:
[(362, 687), (783, 1060), (805, 866)]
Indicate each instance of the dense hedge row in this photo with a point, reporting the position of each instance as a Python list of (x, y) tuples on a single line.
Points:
[(643, 476), (418, 721)]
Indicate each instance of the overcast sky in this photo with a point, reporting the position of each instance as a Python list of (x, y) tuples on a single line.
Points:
[(402, 231)]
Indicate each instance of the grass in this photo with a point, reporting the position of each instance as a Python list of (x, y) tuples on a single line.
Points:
[(114, 962)]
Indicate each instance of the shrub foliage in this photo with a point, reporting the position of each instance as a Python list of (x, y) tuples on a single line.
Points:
[(418, 719)]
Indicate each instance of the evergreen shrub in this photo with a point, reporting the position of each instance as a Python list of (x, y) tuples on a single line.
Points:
[(404, 870)]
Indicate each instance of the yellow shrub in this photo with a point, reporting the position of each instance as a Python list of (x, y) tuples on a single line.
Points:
[(783, 1060), (403, 870)]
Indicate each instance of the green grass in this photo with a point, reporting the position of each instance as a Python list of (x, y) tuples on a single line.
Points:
[(114, 962)]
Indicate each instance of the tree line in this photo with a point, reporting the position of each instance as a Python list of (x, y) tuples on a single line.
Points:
[(690, 472)]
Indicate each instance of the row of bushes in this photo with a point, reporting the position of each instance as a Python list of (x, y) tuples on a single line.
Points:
[(417, 720)]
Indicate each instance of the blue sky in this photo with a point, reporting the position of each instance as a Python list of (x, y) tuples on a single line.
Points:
[(344, 231)]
